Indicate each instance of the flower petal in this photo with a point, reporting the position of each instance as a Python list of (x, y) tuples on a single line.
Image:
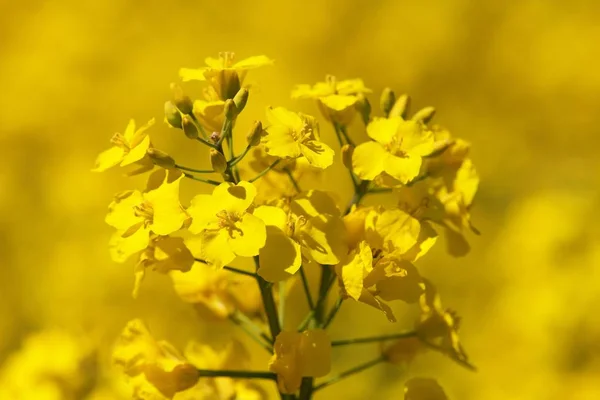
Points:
[(192, 74), (253, 62), (280, 258), (284, 117), (168, 213), (272, 216), (352, 270), (249, 236), (317, 153), (369, 160), (121, 213), (122, 247), (280, 142), (315, 353), (383, 130), (234, 198), (108, 159), (313, 203), (404, 169), (203, 210), (136, 153), (215, 248), (323, 239)]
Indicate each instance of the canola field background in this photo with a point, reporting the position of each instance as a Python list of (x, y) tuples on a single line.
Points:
[(520, 80)]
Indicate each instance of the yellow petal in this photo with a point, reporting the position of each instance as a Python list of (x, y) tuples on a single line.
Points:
[(248, 237), (272, 216), (122, 248), (404, 169), (368, 298), (352, 271), (215, 248), (192, 74), (253, 62), (427, 238), (338, 102), (168, 214), (401, 281), (279, 142), (171, 253), (135, 138), (383, 130), (210, 114), (121, 213), (108, 159), (280, 258), (303, 91), (315, 352), (369, 160), (352, 86), (317, 153), (393, 230), (234, 198), (286, 361), (129, 131), (423, 389), (136, 153), (203, 210), (314, 202), (417, 140), (323, 239), (281, 116)]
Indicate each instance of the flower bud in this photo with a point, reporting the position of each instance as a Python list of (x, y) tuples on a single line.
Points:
[(388, 98), (253, 137), (240, 99), (215, 137), (181, 101), (160, 158), (230, 109), (172, 115), (401, 107), (364, 108), (424, 114), (218, 161), (347, 151), (189, 127)]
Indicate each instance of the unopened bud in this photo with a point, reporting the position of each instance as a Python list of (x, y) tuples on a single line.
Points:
[(347, 151), (189, 127), (215, 136), (253, 137), (388, 98), (230, 110), (218, 161), (182, 102), (172, 115), (160, 158), (401, 107), (424, 114), (363, 106), (240, 99)]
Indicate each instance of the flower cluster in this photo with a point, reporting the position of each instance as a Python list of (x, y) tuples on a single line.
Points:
[(265, 207)]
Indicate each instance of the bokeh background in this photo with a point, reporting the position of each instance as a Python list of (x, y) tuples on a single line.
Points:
[(518, 79)]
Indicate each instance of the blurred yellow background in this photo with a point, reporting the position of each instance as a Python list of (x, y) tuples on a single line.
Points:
[(518, 79)]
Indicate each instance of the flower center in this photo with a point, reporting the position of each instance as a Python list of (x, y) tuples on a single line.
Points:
[(119, 140), (294, 225), (227, 58), (227, 219), (145, 211), (394, 147), (305, 134)]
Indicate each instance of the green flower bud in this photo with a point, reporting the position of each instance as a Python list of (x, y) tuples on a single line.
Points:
[(172, 115), (347, 151), (424, 114), (363, 106), (401, 107), (189, 127), (230, 109), (253, 137), (218, 161), (240, 99), (160, 158), (388, 98)]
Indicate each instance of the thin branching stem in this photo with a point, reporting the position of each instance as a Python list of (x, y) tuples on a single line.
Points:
[(350, 372), (372, 339), (198, 171), (252, 330), (264, 171), (195, 178), (333, 312), (309, 299), (210, 373)]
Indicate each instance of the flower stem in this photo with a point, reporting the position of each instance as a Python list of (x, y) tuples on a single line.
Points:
[(401, 335), (292, 179), (350, 372), (237, 374), (253, 331), (345, 135), (198, 171), (209, 181), (311, 304), (264, 171), (239, 271), (269, 303), (333, 312)]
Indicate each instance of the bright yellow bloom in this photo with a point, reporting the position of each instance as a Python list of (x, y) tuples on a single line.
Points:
[(155, 367), (337, 100), (210, 114), (226, 224), (310, 228), (397, 149), (300, 354), (423, 389), (292, 135), (224, 75), (138, 214), (128, 148)]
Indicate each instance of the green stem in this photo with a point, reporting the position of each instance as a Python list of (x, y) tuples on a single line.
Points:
[(206, 142), (210, 373), (359, 193), (264, 171), (253, 331), (401, 335), (311, 304), (199, 171), (198, 126), (345, 135), (195, 178), (232, 269), (268, 303), (379, 190), (240, 157), (350, 372), (281, 303), (292, 179), (333, 312)]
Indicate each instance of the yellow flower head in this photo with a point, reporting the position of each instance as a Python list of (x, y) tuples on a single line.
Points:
[(224, 75), (156, 369), (226, 223), (292, 135), (299, 354), (136, 215), (310, 228), (397, 149), (210, 114), (337, 100), (128, 148)]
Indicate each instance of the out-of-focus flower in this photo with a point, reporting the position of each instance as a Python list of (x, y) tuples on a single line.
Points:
[(423, 389), (155, 368), (292, 135), (300, 354), (136, 215), (337, 100), (403, 351), (51, 365), (128, 148), (224, 75), (397, 149), (226, 224)]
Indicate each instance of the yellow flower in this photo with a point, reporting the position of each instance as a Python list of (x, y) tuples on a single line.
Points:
[(136, 215), (224, 75), (156, 368), (128, 148), (210, 114), (337, 100), (300, 354), (423, 389), (292, 135), (226, 223), (310, 228), (397, 149)]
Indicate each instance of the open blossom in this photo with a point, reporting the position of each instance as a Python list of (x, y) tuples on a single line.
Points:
[(224, 74), (336, 99), (226, 224), (300, 354), (292, 135), (128, 148), (397, 149)]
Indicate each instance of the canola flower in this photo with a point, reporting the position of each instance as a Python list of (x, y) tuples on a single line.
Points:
[(264, 207)]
